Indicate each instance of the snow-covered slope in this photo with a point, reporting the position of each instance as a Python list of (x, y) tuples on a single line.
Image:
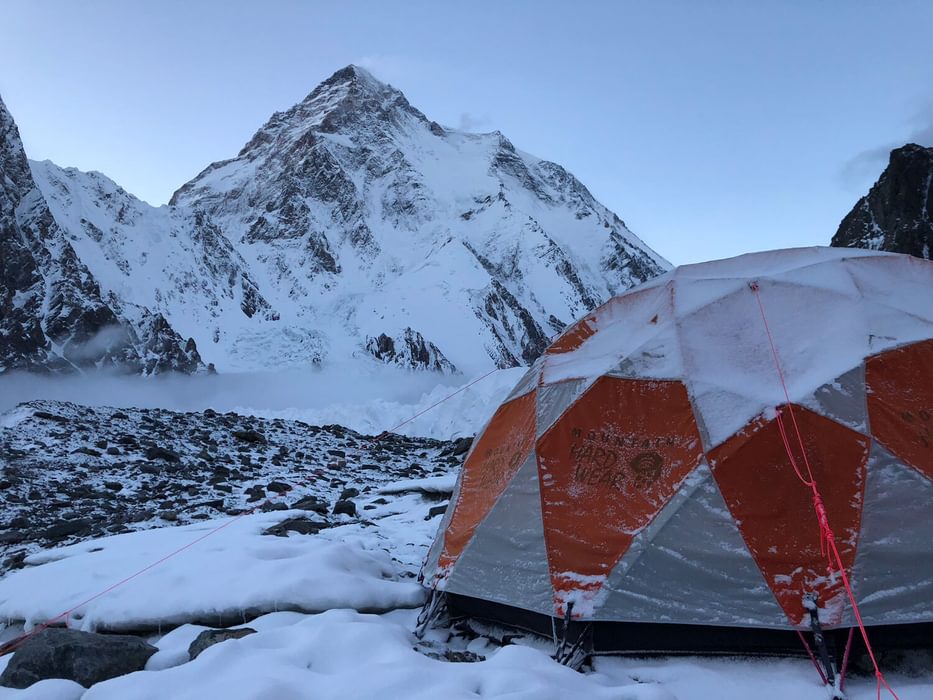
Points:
[(356, 211), (53, 313), (351, 225), (171, 259)]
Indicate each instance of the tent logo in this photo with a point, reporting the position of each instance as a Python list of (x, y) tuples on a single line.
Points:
[(498, 466), (596, 465), (647, 467)]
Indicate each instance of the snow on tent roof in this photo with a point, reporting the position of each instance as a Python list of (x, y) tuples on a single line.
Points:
[(638, 472)]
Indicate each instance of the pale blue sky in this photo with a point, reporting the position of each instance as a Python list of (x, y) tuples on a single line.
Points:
[(711, 128)]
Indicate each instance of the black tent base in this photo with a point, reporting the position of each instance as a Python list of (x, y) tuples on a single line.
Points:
[(644, 638)]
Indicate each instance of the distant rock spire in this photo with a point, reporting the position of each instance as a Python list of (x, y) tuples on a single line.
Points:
[(897, 213)]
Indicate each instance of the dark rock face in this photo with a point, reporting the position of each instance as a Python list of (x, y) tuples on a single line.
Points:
[(209, 638), (53, 316), (411, 350), (897, 213), (511, 325), (82, 657)]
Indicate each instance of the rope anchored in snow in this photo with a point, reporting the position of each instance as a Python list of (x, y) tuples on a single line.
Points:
[(827, 537), (14, 644)]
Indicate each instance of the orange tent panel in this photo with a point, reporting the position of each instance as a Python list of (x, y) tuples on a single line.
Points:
[(606, 468), (575, 337), (900, 403), (774, 508)]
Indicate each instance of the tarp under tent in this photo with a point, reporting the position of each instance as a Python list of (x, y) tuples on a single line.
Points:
[(646, 475)]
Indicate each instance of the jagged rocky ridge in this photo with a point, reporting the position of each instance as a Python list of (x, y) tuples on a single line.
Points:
[(897, 213), (53, 313), (73, 473), (349, 223)]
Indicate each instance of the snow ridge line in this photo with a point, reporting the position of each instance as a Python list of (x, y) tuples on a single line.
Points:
[(19, 641)]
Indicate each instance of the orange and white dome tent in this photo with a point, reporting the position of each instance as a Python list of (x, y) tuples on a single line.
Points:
[(638, 470)]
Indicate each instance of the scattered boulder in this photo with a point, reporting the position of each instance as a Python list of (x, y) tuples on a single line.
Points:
[(270, 506), (156, 452), (209, 638), (312, 503), (345, 508), (255, 493), (301, 525), (12, 537), (85, 451), (462, 446), (67, 528), (250, 436), (436, 510), (162, 468), (45, 415), (83, 657)]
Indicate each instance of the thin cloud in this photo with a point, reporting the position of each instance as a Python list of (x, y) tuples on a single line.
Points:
[(471, 122), (391, 68), (869, 163)]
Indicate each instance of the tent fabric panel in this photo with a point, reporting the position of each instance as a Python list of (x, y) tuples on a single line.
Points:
[(493, 460), (728, 362), (901, 282), (607, 467), (843, 399), (900, 403), (528, 382), (691, 566), (641, 312), (657, 358), (892, 576), (506, 561), (554, 399), (574, 336), (774, 509), (430, 572)]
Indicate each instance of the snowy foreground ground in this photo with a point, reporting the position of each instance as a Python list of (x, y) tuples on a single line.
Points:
[(339, 612)]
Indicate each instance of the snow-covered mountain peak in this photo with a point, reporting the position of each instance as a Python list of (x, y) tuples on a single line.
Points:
[(351, 225), (350, 99)]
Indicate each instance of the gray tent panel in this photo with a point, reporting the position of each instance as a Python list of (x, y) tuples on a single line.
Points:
[(506, 561), (429, 566), (691, 565), (892, 576), (554, 399), (527, 383), (844, 400)]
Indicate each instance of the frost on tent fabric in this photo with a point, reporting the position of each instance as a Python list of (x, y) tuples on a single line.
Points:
[(658, 504)]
